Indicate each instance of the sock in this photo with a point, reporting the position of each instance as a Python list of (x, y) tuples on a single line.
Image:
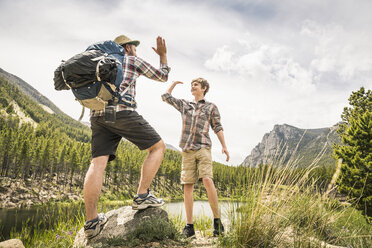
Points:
[(94, 220), (143, 195), (216, 220), (190, 225)]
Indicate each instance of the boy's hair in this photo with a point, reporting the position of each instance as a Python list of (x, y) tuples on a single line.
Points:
[(204, 83)]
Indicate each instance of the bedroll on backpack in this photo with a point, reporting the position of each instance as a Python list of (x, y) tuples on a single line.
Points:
[(93, 76)]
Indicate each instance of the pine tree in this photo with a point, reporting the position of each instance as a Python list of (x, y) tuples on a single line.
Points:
[(356, 151)]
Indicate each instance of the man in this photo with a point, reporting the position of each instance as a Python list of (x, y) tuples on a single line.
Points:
[(131, 126), (196, 148)]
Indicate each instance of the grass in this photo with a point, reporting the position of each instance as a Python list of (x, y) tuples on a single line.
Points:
[(153, 230), (61, 231), (282, 207), (279, 207)]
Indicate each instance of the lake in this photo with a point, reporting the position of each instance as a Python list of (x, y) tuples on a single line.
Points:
[(44, 216)]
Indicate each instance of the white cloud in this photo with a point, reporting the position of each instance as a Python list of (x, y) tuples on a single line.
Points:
[(337, 50), (269, 62), (266, 63)]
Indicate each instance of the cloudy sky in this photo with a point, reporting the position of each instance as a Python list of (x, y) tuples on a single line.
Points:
[(268, 62)]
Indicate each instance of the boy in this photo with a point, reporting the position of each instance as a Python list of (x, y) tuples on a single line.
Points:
[(196, 148)]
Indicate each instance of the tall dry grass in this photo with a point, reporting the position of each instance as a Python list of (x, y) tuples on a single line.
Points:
[(282, 207)]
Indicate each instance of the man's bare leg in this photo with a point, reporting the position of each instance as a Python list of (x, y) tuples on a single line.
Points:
[(188, 190), (212, 195), (93, 185), (150, 166)]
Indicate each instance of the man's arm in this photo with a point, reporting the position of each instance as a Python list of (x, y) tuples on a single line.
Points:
[(168, 98), (221, 138), (144, 68)]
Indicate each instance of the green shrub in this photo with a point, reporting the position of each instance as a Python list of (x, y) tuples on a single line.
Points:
[(153, 230)]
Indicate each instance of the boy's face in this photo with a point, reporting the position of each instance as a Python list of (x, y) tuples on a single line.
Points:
[(196, 89)]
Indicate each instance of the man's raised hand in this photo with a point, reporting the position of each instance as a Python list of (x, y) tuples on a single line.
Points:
[(161, 48)]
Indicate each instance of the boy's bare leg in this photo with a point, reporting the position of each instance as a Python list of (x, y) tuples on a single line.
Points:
[(212, 195), (188, 190)]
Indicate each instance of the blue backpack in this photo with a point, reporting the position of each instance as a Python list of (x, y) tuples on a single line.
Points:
[(94, 76)]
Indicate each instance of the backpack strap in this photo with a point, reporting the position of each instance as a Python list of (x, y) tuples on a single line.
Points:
[(82, 114), (100, 58), (63, 76)]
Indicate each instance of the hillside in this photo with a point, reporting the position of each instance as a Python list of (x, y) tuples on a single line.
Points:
[(45, 154), (29, 90), (33, 96), (300, 147)]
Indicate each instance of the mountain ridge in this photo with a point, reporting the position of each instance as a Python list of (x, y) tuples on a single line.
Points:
[(302, 147), (30, 91)]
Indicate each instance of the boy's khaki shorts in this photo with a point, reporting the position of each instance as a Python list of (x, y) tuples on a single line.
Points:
[(196, 164)]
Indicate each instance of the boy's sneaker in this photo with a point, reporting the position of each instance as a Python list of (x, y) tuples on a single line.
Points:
[(188, 231), (218, 228), (149, 201), (93, 228)]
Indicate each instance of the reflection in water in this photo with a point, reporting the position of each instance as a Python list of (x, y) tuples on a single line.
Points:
[(201, 208)]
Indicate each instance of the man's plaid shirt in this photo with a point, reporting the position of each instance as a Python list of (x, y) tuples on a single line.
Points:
[(133, 67), (196, 118)]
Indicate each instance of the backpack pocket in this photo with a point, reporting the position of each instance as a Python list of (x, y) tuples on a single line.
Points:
[(94, 96)]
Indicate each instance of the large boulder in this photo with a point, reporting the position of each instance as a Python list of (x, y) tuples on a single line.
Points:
[(12, 243), (120, 222)]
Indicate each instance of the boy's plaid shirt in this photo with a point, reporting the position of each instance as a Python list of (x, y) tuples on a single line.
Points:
[(133, 67), (196, 118)]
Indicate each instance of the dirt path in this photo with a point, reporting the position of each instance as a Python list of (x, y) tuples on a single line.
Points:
[(200, 241)]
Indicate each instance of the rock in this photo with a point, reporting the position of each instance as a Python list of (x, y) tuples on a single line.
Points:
[(3, 190), (120, 222), (10, 204), (12, 243)]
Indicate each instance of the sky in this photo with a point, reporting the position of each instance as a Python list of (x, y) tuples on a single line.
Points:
[(268, 62)]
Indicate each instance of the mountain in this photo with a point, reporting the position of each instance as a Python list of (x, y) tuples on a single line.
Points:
[(29, 91), (299, 147), (169, 146)]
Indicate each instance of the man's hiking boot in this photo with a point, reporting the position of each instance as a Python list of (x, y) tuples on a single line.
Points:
[(149, 201), (94, 227), (188, 231), (218, 228)]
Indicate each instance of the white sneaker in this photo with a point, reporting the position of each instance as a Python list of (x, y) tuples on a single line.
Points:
[(93, 228), (149, 201)]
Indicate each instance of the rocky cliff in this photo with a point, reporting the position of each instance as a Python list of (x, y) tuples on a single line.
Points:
[(287, 144)]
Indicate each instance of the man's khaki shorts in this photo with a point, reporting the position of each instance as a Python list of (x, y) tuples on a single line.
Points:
[(196, 164)]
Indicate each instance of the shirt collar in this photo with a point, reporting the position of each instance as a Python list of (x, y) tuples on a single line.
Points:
[(202, 101)]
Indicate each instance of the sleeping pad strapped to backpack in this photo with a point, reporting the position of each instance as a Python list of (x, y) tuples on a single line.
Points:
[(94, 76)]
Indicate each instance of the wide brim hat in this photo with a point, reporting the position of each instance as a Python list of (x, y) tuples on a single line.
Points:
[(122, 40)]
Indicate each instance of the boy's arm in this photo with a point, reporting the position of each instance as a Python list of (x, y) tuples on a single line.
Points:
[(222, 141), (168, 98), (170, 89), (215, 122)]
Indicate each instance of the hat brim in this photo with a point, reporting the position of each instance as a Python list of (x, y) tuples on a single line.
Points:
[(134, 42)]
